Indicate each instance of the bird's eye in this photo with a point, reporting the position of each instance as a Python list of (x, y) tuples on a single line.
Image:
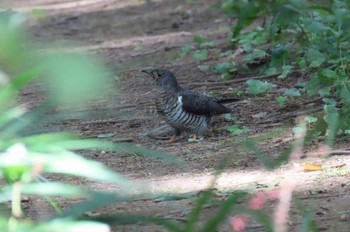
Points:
[(160, 74)]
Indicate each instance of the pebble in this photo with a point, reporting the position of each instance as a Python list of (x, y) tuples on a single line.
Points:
[(343, 217)]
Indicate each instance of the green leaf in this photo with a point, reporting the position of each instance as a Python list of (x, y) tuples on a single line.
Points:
[(8, 116), (229, 117), (286, 69), (325, 91), (255, 55), (200, 55), (224, 209), (345, 95), (257, 86), (120, 219), (203, 68), (308, 223), (97, 200), (292, 92), (199, 39), (207, 44), (271, 71), (196, 210), (235, 130), (73, 78), (332, 119), (315, 57), (281, 101), (330, 101), (310, 119), (316, 26), (329, 73), (8, 91), (185, 50), (222, 68), (53, 189), (298, 129), (70, 226)]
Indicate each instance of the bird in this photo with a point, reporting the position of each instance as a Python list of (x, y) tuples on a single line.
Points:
[(181, 108)]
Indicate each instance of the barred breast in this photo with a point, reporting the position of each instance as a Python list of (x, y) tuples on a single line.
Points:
[(170, 108)]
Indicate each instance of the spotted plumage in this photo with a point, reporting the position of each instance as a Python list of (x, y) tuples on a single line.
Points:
[(181, 108)]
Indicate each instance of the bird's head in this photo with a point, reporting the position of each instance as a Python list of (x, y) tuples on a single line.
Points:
[(165, 80)]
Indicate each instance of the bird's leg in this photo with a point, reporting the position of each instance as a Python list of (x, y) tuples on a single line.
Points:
[(193, 138), (174, 137)]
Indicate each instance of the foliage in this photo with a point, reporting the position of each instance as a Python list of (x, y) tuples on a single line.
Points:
[(257, 86), (314, 39), (235, 130)]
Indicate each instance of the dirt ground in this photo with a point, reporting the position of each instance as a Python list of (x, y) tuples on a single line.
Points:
[(130, 35)]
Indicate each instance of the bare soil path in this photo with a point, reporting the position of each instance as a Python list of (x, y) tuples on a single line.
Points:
[(130, 35)]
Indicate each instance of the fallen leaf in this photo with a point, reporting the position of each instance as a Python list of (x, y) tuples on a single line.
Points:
[(311, 167)]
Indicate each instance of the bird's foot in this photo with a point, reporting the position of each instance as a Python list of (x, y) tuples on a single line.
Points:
[(194, 139), (173, 139)]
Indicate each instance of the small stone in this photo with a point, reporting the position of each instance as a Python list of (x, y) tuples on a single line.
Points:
[(343, 217)]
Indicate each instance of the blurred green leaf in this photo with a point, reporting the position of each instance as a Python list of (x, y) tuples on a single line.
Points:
[(229, 117), (315, 57), (281, 101), (224, 209), (329, 73), (10, 115), (222, 68), (185, 50), (8, 91), (286, 69), (207, 44), (53, 189), (292, 92), (256, 54), (200, 55), (13, 47), (316, 26), (345, 94), (257, 86), (308, 223), (235, 130), (65, 73), (332, 119), (310, 119), (199, 39), (196, 210), (325, 91), (69, 225), (18, 160), (95, 201), (203, 68), (120, 219)]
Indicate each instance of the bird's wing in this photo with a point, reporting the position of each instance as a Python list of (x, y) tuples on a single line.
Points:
[(200, 104)]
